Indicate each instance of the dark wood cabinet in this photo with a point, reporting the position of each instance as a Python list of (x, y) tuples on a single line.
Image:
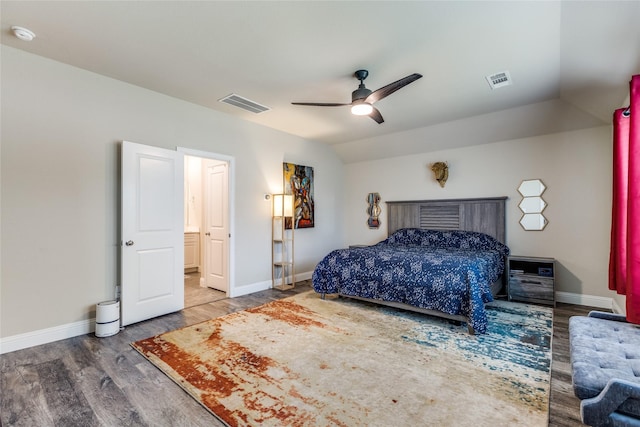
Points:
[(531, 279)]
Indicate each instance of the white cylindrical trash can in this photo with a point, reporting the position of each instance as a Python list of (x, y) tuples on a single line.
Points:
[(107, 318)]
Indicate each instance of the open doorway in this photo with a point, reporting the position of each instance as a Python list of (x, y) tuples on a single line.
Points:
[(206, 238)]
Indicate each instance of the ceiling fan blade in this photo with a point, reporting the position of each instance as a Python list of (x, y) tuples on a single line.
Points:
[(375, 115), (390, 88), (320, 104)]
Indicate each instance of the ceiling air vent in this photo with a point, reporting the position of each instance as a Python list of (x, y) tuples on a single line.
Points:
[(499, 80), (244, 103)]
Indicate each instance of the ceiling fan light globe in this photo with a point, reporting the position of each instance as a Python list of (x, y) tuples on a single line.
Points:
[(362, 109)]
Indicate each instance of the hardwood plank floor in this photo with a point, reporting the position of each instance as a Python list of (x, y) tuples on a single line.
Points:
[(89, 381), (564, 406), (194, 294)]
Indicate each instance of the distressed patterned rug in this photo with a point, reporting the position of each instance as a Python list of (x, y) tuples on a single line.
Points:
[(303, 361)]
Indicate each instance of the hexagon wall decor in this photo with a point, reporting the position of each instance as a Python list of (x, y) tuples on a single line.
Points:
[(532, 205)]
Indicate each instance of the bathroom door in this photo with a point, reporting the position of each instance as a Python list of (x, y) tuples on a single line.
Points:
[(216, 225), (152, 245)]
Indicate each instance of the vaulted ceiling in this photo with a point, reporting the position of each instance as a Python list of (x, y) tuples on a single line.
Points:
[(575, 54)]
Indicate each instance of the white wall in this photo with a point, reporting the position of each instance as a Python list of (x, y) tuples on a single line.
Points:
[(575, 166), (193, 195), (61, 128)]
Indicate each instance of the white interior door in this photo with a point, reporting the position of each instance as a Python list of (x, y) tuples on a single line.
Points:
[(216, 224), (152, 255)]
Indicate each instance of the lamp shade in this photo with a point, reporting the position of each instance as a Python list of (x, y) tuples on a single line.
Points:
[(279, 204)]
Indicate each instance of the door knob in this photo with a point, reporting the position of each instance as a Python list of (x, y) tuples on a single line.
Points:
[(207, 234), (129, 243)]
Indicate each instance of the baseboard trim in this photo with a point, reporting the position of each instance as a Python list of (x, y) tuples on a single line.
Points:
[(264, 285), (45, 336), (616, 308), (249, 289), (304, 276), (586, 300)]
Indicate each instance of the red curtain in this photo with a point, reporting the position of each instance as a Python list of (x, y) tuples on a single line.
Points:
[(624, 262)]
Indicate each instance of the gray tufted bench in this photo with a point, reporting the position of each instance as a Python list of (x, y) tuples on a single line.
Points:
[(605, 362)]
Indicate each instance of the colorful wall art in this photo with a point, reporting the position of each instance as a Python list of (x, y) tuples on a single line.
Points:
[(298, 180)]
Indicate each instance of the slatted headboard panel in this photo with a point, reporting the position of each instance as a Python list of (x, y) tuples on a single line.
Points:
[(440, 217), (485, 215)]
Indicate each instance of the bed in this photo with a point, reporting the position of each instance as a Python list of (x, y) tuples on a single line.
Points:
[(441, 257)]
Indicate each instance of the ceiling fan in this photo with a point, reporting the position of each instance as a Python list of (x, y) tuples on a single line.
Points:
[(362, 99)]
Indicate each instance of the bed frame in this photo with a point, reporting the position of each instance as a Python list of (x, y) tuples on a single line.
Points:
[(484, 215)]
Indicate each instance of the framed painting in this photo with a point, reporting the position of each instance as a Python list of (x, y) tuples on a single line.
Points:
[(298, 181)]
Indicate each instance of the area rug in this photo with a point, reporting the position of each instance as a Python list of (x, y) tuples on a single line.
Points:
[(303, 361)]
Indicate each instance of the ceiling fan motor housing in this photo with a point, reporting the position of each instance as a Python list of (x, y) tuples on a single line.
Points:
[(362, 92)]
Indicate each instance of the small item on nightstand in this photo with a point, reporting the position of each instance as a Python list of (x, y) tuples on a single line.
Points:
[(545, 271)]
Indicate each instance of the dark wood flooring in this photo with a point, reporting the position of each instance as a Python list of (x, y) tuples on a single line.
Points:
[(88, 381)]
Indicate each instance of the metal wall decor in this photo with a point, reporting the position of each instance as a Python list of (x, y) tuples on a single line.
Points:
[(441, 172), (373, 210)]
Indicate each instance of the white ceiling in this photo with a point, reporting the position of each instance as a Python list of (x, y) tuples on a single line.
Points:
[(275, 52)]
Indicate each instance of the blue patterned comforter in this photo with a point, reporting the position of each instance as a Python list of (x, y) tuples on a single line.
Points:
[(448, 271)]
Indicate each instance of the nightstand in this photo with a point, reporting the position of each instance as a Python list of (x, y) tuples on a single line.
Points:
[(531, 279)]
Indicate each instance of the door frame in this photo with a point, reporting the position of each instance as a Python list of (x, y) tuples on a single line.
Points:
[(231, 189)]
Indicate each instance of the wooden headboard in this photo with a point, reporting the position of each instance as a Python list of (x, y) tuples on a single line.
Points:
[(485, 215)]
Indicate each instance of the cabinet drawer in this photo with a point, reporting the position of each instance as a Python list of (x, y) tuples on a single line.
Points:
[(531, 286), (191, 238)]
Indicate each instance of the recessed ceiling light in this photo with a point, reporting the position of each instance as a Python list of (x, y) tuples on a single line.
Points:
[(23, 33)]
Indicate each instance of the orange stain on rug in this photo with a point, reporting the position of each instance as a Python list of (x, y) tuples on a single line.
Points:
[(183, 362), (233, 369), (289, 312)]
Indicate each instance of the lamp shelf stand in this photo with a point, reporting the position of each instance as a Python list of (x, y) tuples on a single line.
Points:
[(282, 242)]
